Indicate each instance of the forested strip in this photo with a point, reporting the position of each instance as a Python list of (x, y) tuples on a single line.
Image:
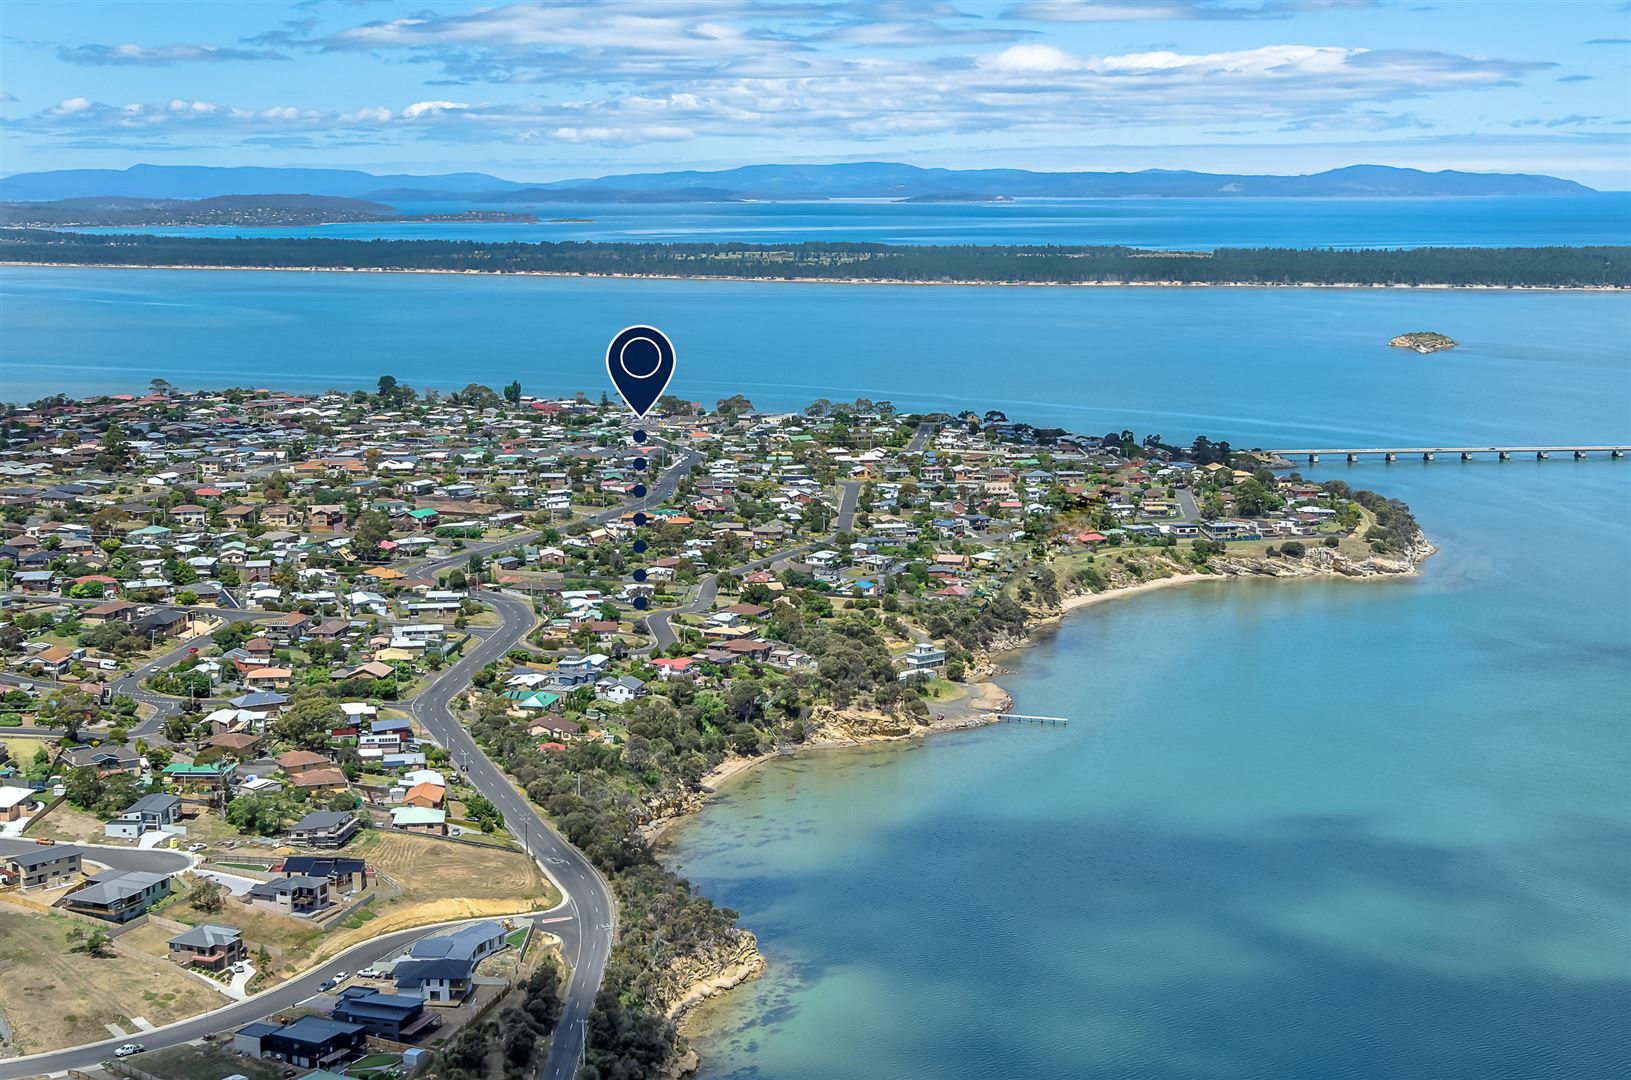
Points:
[(1555, 267)]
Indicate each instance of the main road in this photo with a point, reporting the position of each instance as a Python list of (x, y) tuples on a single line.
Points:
[(586, 941), (587, 912)]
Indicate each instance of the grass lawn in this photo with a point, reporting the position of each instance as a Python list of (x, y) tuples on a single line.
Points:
[(485, 617), (205, 1063), (55, 997), (22, 749), (375, 1065)]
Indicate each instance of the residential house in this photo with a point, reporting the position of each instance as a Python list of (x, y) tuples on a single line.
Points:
[(15, 802), (310, 1042), (619, 691), (419, 819), (148, 813), (440, 968), (325, 828), (298, 894), (43, 867), (118, 895), (160, 625), (209, 946), (397, 1017), (104, 759)]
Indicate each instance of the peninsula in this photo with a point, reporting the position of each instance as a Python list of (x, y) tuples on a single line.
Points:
[(366, 623), (1601, 267)]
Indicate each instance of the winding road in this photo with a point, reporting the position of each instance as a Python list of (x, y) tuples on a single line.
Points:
[(585, 920)]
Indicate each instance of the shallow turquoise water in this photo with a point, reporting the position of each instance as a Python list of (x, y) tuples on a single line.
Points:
[(1294, 830), (1178, 224)]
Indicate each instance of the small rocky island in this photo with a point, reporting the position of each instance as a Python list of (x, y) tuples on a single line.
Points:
[(1423, 341)]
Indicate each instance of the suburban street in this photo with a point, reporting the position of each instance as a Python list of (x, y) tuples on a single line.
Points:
[(920, 438), (587, 914), (658, 624), (283, 996)]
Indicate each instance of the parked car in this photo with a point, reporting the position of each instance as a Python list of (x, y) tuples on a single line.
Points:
[(128, 1049), (195, 847)]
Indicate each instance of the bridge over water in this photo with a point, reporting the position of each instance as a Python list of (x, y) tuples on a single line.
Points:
[(1466, 453)]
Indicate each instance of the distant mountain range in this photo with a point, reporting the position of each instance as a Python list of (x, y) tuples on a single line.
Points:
[(882, 180)]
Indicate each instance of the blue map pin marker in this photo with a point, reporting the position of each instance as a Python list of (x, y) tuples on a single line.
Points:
[(640, 361)]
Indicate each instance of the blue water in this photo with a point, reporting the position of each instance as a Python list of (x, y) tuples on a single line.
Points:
[(1331, 829), (1271, 367), (1177, 224)]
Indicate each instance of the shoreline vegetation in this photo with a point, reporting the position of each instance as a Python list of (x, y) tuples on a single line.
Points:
[(986, 699), (1596, 268)]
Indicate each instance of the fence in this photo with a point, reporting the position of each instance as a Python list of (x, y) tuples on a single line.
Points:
[(39, 817)]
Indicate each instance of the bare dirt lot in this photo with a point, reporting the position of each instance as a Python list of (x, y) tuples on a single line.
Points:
[(55, 997), (422, 881)]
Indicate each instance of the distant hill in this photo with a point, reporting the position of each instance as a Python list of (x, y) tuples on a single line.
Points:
[(888, 180), (202, 182), (877, 179), (231, 210)]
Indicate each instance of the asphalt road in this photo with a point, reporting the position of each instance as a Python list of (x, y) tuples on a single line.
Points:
[(658, 623), (116, 858), (588, 912), (586, 941), (921, 437)]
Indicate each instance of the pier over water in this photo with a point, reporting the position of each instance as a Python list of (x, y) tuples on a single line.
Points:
[(1466, 453)]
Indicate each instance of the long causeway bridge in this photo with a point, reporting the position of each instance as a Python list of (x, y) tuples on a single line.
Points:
[(1466, 453)]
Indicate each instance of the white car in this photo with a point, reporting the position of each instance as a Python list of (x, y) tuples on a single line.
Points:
[(195, 847), (240, 967), (128, 1049), (341, 976)]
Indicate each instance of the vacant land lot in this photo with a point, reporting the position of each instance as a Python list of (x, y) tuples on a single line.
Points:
[(55, 997), (441, 880), (66, 822), (205, 1063), (429, 881)]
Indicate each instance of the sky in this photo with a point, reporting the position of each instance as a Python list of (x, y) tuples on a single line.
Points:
[(544, 91)]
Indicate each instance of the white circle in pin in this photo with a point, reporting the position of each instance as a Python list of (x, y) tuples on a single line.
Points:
[(656, 362)]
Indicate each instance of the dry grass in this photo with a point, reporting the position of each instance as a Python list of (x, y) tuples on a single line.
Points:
[(55, 997), (66, 822), (430, 881), (441, 881)]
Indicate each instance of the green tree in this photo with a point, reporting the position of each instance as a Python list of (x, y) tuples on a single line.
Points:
[(206, 897)]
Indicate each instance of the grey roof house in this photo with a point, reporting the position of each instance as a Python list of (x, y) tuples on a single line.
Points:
[(156, 811), (118, 895)]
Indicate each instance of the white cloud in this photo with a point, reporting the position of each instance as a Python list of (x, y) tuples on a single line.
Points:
[(1031, 58), (428, 108)]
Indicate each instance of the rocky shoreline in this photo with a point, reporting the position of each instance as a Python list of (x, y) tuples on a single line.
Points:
[(728, 968)]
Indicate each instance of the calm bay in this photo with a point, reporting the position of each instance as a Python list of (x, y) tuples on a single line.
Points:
[(1315, 829)]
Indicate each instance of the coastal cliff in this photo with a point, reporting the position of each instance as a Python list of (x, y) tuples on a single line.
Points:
[(731, 962)]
